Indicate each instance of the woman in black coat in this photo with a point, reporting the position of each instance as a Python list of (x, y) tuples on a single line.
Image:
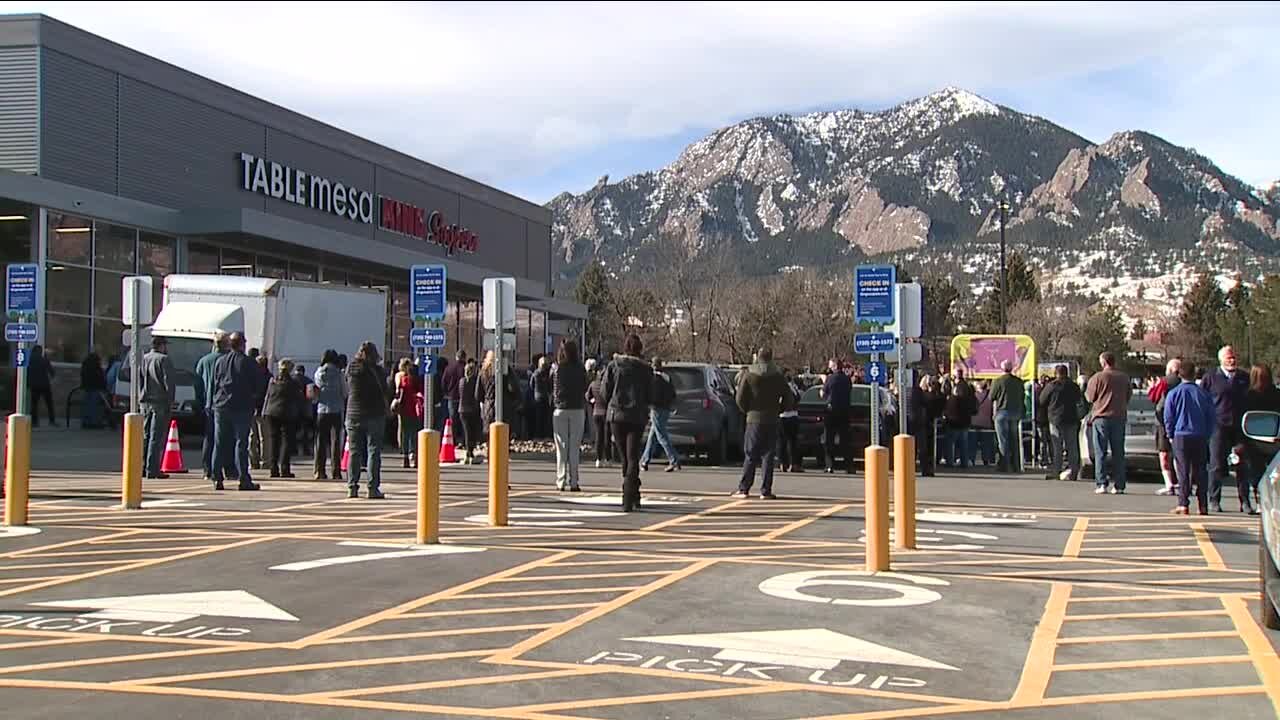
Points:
[(283, 409), (628, 390)]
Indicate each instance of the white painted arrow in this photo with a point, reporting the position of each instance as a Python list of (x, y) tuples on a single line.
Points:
[(177, 607), (406, 551), (12, 531), (171, 502), (813, 648)]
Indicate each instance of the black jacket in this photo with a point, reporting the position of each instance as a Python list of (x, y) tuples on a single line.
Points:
[(1060, 402), (367, 398), (284, 400), (468, 394), (540, 380), (92, 376), (960, 408), (569, 386), (595, 394), (451, 380), (511, 402), (235, 383), (1228, 395), (628, 387)]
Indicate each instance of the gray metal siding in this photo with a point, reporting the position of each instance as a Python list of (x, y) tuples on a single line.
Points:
[(538, 246), (19, 110), (502, 246), (180, 153), (322, 162), (77, 122)]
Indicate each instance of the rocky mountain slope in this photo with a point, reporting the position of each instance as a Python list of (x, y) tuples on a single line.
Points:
[(919, 184)]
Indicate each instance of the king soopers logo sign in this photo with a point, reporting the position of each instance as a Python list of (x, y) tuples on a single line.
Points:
[(282, 182)]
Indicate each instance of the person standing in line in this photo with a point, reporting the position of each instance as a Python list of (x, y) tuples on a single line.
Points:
[(663, 399), (792, 460), (1228, 386), (599, 413), (93, 386), (282, 409), (928, 406), (156, 399), (512, 404), (762, 397), (628, 386), (568, 396), (1108, 391), (1044, 439), (408, 407), (235, 391), (958, 412), (40, 375), (329, 392), (983, 430), (1164, 446), (1008, 408), (1060, 405), (469, 409), (1189, 418), (304, 437), (1263, 395), (836, 390), (366, 419), (204, 374), (540, 379), (260, 451), (451, 384)]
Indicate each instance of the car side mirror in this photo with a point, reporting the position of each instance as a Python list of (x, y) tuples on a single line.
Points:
[(1262, 425)]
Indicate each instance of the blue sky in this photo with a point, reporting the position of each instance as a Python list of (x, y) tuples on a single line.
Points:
[(541, 98)]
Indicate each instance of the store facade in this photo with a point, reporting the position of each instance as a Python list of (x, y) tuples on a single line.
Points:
[(113, 163)]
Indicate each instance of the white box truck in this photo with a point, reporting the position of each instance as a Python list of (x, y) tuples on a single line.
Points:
[(282, 318)]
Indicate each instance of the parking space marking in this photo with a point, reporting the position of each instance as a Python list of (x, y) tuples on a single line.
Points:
[(1211, 556), (1261, 653), (1154, 662), (1076, 540), (1037, 668)]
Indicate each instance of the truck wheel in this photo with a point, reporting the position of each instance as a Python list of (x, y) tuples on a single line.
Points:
[(1268, 574), (720, 448)]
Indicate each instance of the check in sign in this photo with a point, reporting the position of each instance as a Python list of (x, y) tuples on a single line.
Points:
[(20, 295), (428, 299), (873, 294), (426, 338)]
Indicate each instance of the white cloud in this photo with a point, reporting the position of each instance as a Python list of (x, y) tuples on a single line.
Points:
[(503, 91)]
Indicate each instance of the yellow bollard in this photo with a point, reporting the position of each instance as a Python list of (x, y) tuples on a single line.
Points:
[(17, 477), (877, 507), (904, 492), (499, 472), (428, 487), (131, 463)]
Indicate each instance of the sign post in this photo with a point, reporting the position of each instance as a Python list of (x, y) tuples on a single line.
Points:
[(908, 327), (873, 305), (20, 304), (428, 302), (499, 314), (137, 311)]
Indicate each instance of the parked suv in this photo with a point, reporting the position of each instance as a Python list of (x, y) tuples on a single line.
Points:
[(705, 417)]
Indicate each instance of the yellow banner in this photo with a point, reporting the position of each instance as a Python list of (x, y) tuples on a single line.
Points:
[(981, 356)]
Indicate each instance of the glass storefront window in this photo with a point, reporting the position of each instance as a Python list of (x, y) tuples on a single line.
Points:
[(70, 238), (203, 260), (108, 294), (235, 263), (468, 314), (270, 267), (114, 247), (522, 338), (400, 300), (67, 289), (66, 338), (155, 255), (302, 271), (108, 336), (538, 333), (337, 277), (450, 325)]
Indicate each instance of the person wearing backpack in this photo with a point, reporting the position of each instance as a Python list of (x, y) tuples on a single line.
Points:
[(664, 399)]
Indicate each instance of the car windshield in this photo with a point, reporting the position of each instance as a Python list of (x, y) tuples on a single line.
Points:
[(686, 378), (1141, 403), (183, 352), (859, 397)]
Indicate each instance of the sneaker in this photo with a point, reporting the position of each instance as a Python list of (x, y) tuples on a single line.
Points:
[(768, 496), (1065, 475), (644, 467), (353, 493), (1180, 510), (1115, 491), (1164, 491), (217, 485), (1100, 490), (575, 488), (249, 486), (598, 465), (1216, 507), (376, 495), (673, 468), (739, 494)]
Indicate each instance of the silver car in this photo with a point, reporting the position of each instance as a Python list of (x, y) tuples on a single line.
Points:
[(1264, 428), (1139, 437)]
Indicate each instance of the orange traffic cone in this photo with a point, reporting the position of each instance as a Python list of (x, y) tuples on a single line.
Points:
[(171, 461), (346, 455), (447, 454)]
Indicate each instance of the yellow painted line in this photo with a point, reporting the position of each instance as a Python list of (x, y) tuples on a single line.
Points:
[(828, 512), (415, 604), (642, 561), (1149, 695), (1036, 669), (1198, 635), (1210, 581), (1153, 662), (566, 591), (1164, 558), (462, 682), (303, 667), (134, 551), (93, 635), (1179, 595), (1142, 615), (560, 629), (164, 538), (641, 699), (49, 643), (1076, 539), (1264, 657), (704, 513), (541, 578), (496, 610), (136, 657), (1101, 571), (349, 639), (1142, 548), (8, 581), (82, 563), (1211, 556), (1140, 539), (69, 543)]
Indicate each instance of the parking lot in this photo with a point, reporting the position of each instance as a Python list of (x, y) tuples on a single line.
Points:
[(1026, 598)]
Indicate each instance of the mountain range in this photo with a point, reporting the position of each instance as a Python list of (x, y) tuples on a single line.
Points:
[(920, 184)]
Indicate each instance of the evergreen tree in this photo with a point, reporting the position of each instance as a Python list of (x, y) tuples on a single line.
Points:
[(1201, 307), (1102, 331), (1139, 330), (1023, 287), (593, 290), (1233, 324)]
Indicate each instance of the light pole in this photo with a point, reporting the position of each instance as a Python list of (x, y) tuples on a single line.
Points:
[(1004, 273)]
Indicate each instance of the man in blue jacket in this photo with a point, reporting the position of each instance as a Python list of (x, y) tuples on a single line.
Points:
[(1189, 419), (1228, 386)]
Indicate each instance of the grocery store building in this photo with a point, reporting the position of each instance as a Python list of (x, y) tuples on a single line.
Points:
[(113, 163)]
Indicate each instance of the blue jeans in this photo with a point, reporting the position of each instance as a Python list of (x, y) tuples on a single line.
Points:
[(659, 432), (366, 450), (210, 439), (985, 440), (760, 443), (231, 445), (955, 447), (1108, 434), (155, 431), (1009, 437), (91, 409)]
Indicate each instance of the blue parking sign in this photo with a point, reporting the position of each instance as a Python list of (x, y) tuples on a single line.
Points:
[(877, 373), (427, 299), (21, 357), (873, 293), (20, 288)]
